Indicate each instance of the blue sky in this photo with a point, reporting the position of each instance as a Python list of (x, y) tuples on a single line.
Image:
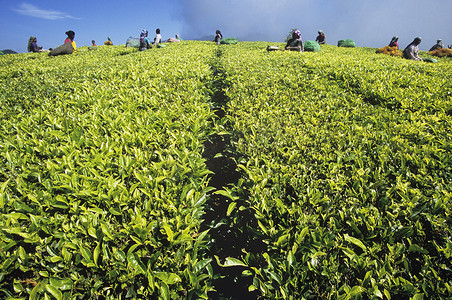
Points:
[(371, 23)]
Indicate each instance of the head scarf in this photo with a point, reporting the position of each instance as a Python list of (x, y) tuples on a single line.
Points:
[(394, 39), (298, 33), (143, 34), (30, 41), (415, 42)]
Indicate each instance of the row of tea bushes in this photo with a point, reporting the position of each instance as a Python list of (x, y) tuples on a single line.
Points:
[(348, 169), (345, 161), (103, 185)]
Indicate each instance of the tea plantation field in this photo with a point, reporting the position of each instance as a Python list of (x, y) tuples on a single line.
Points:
[(204, 171)]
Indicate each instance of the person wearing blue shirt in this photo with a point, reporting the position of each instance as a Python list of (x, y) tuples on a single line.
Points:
[(145, 42)]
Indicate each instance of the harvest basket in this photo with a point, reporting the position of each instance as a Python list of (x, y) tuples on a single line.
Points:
[(442, 52), (229, 41), (393, 51), (311, 46), (346, 43)]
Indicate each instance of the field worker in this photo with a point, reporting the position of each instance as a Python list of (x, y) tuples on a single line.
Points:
[(158, 37), (438, 45), (33, 45), (94, 43), (295, 43), (321, 39), (411, 51), (70, 39), (108, 42), (393, 42), (172, 40), (145, 42), (218, 36)]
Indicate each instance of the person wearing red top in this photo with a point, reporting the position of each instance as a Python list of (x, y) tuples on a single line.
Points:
[(70, 39), (393, 42)]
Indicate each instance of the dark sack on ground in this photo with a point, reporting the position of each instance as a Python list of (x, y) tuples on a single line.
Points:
[(66, 48)]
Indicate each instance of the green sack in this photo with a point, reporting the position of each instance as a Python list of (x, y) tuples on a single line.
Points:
[(346, 43), (66, 48), (428, 59), (161, 46), (312, 46), (133, 42), (229, 41)]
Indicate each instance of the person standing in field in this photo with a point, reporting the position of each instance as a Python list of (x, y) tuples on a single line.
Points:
[(70, 39), (412, 50), (295, 43), (218, 36), (393, 42), (321, 39)]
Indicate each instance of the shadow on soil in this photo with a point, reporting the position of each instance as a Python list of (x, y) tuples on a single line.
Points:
[(227, 240)]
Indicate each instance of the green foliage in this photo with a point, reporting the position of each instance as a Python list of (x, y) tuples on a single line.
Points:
[(347, 171), (345, 161), (103, 185)]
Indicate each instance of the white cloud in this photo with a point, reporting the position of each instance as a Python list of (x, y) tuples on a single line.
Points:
[(33, 11)]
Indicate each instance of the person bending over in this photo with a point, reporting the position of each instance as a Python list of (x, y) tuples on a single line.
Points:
[(394, 43), (412, 50), (321, 39)]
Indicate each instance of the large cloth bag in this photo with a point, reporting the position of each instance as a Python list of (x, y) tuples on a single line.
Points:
[(312, 46), (346, 43), (66, 48)]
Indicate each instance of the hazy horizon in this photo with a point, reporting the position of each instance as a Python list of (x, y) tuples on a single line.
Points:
[(368, 23)]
